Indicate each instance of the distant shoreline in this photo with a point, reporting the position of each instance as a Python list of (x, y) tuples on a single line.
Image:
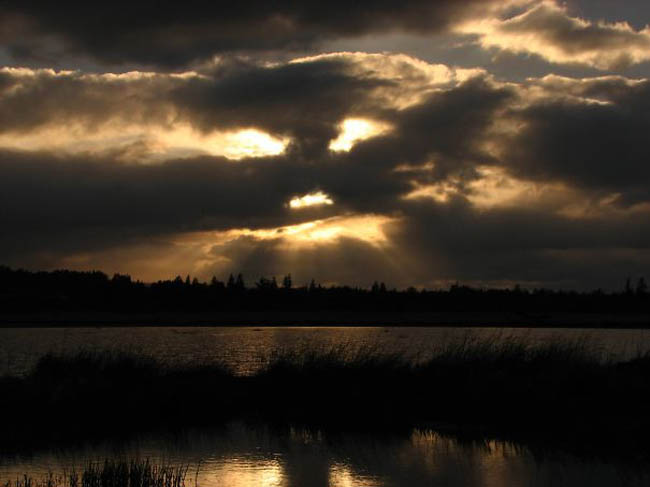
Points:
[(329, 318)]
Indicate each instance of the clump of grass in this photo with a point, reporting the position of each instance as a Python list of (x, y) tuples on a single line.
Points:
[(309, 359), (514, 353), (112, 473), (132, 474), (48, 481)]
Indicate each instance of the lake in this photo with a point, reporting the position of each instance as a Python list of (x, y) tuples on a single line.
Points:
[(246, 348), (246, 456), (258, 455)]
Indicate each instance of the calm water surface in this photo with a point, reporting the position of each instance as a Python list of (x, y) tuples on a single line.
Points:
[(245, 348), (241, 456)]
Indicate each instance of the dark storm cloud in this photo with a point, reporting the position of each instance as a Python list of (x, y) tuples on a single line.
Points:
[(437, 244), (586, 135), (45, 193), (30, 99), (102, 202), (455, 242), (304, 100), (596, 145), (524, 228), (175, 33), (448, 127), (89, 201)]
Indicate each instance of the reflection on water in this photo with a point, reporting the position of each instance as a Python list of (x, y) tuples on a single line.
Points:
[(246, 456), (244, 472), (245, 348), (242, 455)]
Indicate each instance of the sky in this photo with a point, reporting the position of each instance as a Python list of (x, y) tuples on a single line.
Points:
[(419, 143)]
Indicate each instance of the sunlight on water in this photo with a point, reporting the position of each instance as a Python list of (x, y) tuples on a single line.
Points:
[(247, 456), (244, 348), (243, 472), (341, 476)]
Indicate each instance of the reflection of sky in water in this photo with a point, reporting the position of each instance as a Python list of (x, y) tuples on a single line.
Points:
[(243, 456), (244, 472), (244, 348), (341, 476)]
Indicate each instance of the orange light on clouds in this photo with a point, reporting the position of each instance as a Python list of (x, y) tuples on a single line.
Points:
[(367, 228), (621, 44), (494, 188), (250, 143), (205, 253), (312, 199), (150, 144), (353, 130)]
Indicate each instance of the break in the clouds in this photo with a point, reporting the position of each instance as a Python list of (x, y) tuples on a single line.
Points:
[(232, 143)]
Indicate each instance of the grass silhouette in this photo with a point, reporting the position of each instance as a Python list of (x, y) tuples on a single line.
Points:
[(111, 473), (556, 391)]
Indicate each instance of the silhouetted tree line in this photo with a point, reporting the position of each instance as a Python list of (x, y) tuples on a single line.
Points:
[(25, 291)]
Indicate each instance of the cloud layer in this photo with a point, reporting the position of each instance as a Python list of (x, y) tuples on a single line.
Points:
[(173, 34), (549, 31), (241, 148), (474, 179)]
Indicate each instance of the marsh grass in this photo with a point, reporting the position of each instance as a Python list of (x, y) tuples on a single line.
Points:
[(483, 378), (556, 388), (502, 347), (111, 473), (311, 359)]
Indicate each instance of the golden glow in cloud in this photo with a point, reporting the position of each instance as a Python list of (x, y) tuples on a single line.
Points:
[(242, 143), (98, 77), (353, 130), (367, 228), (583, 90), (497, 188), (206, 253), (134, 125), (389, 66), (311, 199), (146, 143), (548, 31), (494, 188), (409, 79)]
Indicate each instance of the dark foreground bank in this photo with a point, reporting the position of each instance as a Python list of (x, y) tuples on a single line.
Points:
[(562, 394)]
